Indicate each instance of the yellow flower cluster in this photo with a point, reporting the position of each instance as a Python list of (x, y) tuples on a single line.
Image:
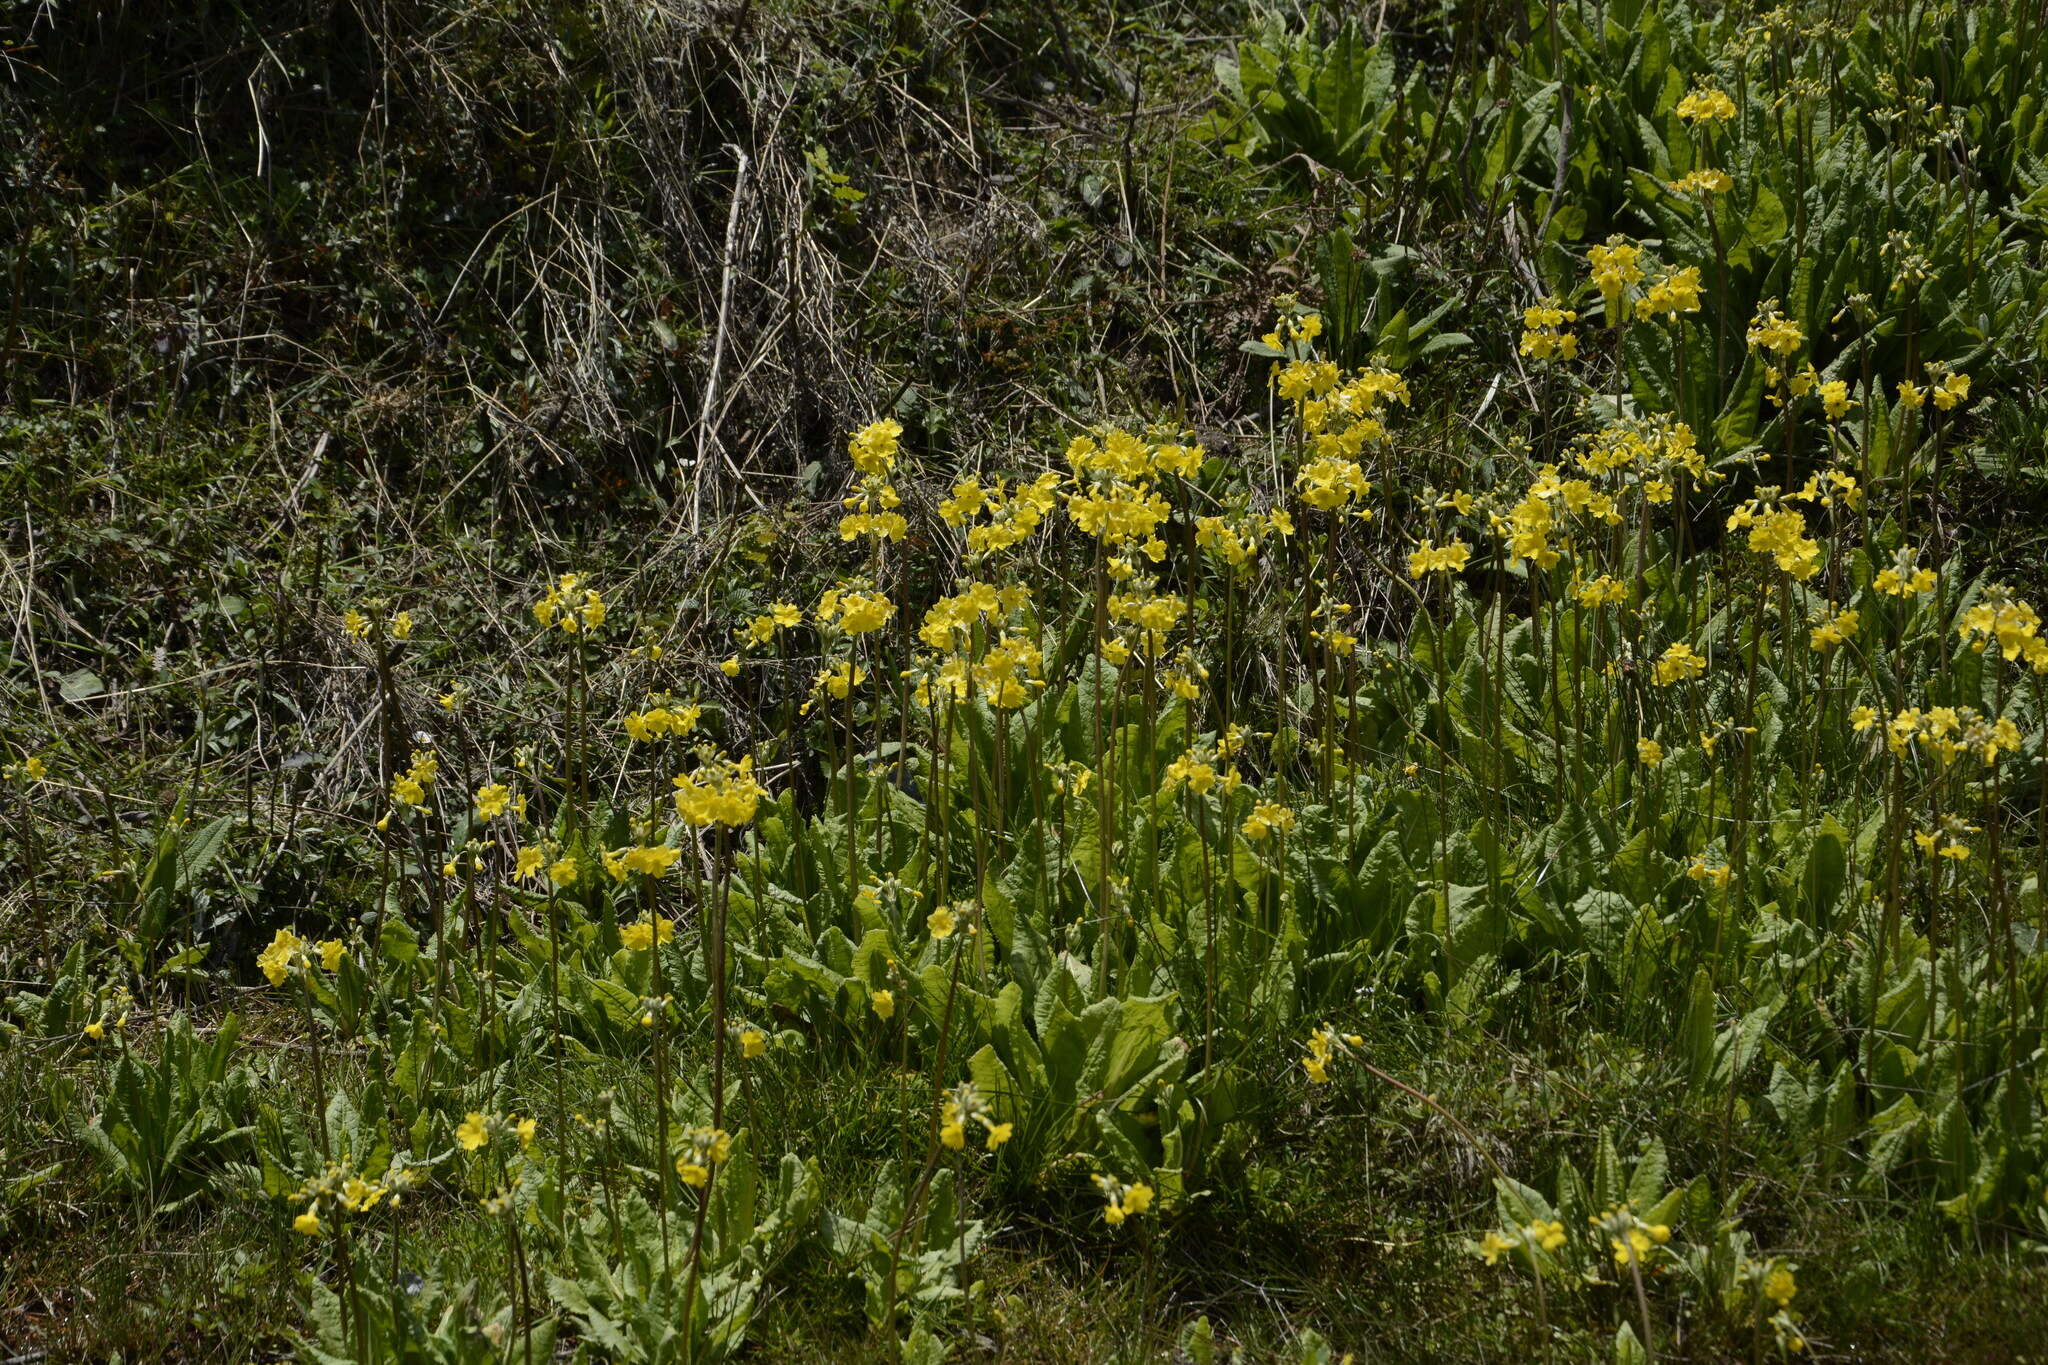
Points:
[(1322, 1050), (643, 934), (344, 1187), (1672, 293), (1329, 483), (1153, 615), (964, 1105), (493, 799), (1904, 577), (1122, 1201), (1770, 330), (1947, 390), (1267, 817), (1543, 331), (839, 680), (779, 616), (951, 620), (661, 719), (871, 511), (646, 860), (1706, 105), (1947, 732), (1717, 874), (1779, 532), (1528, 525), (1604, 591), (1450, 557), (1838, 487), (1197, 768), (721, 791), (1616, 268), (570, 606), (874, 447), (362, 627), (1235, 537), (856, 611), (479, 1130), (1302, 327), (409, 788), (1545, 1235), (1678, 664), (2012, 625), (1012, 517), (1629, 1237), (1929, 841), (286, 951), (708, 1147), (1706, 180), (1837, 627)]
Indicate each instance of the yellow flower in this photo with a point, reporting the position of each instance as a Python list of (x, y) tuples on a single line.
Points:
[(1772, 331), (1650, 752), (1673, 293), (526, 1129), (1267, 817), (1543, 334), (562, 872), (1451, 557), (401, 626), (941, 922), (1678, 664), (1708, 105), (332, 951), (708, 1147), (753, 1043), (1779, 1286), (1603, 591), (492, 801), (883, 1003), (730, 666), (356, 624), (286, 949), (721, 791), (307, 1224), (1493, 1246), (1634, 1249), (473, 1132), (1615, 268), (96, 1030), (1706, 180), (1703, 871), (874, 447), (1322, 1050), (1835, 629), (651, 861), (1122, 1201), (1904, 577), (643, 934)]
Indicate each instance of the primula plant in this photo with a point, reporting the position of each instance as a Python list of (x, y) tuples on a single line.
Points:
[(1409, 724)]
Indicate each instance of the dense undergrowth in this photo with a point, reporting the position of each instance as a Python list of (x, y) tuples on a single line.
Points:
[(1029, 683)]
